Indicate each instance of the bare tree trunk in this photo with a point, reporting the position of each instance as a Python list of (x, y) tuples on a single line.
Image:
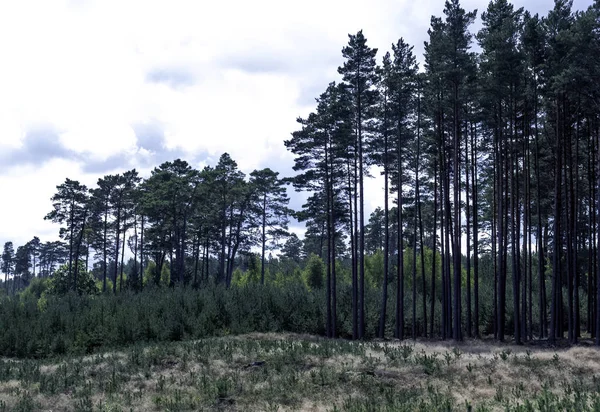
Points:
[(468, 222), (142, 254), (434, 246), (456, 253), (263, 240), (384, 297), (400, 245), (474, 186)]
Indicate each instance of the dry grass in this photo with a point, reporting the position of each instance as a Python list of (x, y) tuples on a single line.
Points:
[(304, 373)]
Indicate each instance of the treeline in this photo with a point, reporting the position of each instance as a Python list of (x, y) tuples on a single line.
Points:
[(178, 215), (489, 221)]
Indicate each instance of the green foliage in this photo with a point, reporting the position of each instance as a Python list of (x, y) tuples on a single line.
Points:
[(374, 269), (81, 323), (37, 287), (314, 273), (61, 283)]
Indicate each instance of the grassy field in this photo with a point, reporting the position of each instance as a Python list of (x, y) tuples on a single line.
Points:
[(275, 372)]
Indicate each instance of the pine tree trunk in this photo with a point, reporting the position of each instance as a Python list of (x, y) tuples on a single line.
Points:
[(362, 221), (556, 286), (598, 240), (434, 246), (400, 244), (104, 245), (142, 254), (135, 249), (118, 232), (263, 240), (384, 297), (457, 333), (474, 186), (353, 255), (539, 237), (468, 222)]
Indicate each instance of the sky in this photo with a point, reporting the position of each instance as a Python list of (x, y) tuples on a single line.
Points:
[(89, 88)]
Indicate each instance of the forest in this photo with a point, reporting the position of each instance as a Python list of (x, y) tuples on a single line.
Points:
[(488, 225)]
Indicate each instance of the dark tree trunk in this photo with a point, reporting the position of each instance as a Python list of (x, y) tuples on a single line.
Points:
[(384, 297), (539, 237), (468, 222), (556, 285), (400, 244), (456, 253), (474, 186), (104, 245), (352, 196), (118, 232), (434, 246), (142, 253), (122, 253), (76, 259), (135, 249), (263, 240)]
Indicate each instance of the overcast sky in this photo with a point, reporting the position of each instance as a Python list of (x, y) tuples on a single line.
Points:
[(89, 88)]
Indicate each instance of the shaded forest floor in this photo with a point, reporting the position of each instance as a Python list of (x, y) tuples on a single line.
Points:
[(280, 372)]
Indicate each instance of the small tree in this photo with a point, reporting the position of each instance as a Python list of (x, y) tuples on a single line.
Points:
[(314, 272), (60, 283)]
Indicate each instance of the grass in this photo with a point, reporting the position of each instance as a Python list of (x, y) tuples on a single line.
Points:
[(281, 372)]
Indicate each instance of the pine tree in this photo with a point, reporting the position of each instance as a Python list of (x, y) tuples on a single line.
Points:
[(360, 78)]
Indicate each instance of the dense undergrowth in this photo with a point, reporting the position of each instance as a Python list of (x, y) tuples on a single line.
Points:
[(36, 324), (81, 324)]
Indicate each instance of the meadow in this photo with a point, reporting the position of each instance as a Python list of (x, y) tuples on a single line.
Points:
[(295, 372)]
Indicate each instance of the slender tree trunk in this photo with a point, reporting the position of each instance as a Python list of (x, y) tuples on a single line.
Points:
[(593, 228), (118, 232), (263, 240), (142, 267), (332, 219), (181, 246), (574, 202), (457, 332), (104, 245), (434, 246), (443, 255), (419, 226), (71, 230), (135, 248), (598, 241), (539, 236), (501, 250), (556, 286), (514, 214), (196, 245), (495, 239), (123, 252), (79, 241), (355, 320), (468, 222), (329, 237), (400, 245), (386, 252), (449, 247), (528, 242), (207, 257), (352, 219), (222, 277), (414, 280), (474, 186)]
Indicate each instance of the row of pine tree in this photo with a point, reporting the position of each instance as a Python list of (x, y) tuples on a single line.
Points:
[(491, 152)]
